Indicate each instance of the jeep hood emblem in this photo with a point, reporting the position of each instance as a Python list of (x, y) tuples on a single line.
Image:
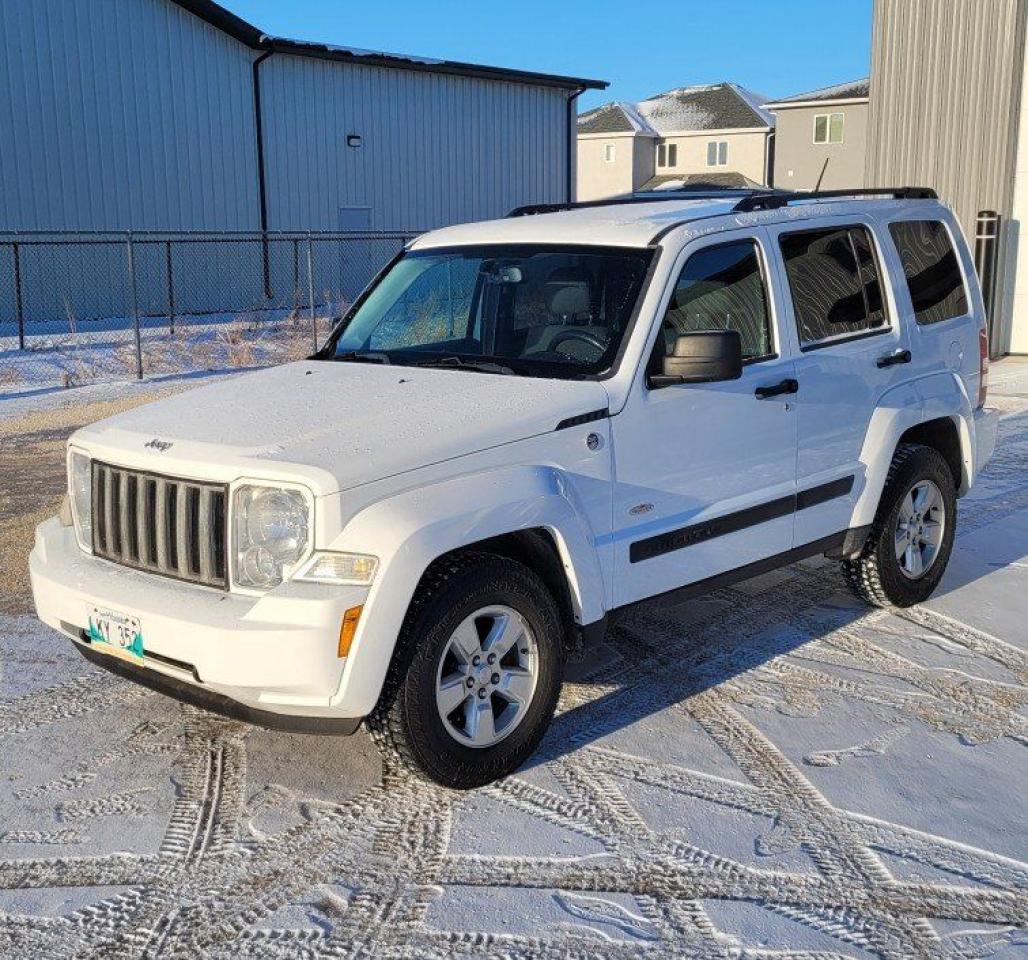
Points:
[(160, 445)]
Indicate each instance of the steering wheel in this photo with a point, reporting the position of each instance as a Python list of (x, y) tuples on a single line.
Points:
[(590, 338)]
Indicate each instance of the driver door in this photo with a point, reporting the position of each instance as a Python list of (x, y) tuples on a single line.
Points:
[(706, 472)]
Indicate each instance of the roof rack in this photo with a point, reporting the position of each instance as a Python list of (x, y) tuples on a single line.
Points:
[(772, 201), (654, 196)]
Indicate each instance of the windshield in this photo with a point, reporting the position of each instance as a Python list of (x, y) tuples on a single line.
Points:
[(532, 310)]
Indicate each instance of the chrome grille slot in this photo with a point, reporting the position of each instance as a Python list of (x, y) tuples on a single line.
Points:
[(163, 525)]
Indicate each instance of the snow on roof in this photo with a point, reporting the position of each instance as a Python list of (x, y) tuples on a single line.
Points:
[(716, 106), (850, 90)]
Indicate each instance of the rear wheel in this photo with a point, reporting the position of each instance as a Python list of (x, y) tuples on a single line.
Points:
[(476, 673), (911, 539)]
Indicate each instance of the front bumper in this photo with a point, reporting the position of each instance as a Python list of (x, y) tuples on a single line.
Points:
[(274, 655)]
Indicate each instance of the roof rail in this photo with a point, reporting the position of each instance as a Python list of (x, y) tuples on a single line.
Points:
[(772, 201), (655, 196)]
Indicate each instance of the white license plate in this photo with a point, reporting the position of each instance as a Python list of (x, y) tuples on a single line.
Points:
[(116, 633)]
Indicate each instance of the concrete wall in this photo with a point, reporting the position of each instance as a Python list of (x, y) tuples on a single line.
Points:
[(598, 178), (799, 161), (945, 101)]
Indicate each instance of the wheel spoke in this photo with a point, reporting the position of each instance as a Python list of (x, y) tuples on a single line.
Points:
[(932, 533), (902, 542), (517, 686), (452, 692), (480, 721), (464, 642), (505, 632), (907, 507), (912, 561)]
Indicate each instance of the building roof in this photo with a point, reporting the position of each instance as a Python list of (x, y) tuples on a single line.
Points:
[(851, 90), (693, 181), (257, 39), (716, 106)]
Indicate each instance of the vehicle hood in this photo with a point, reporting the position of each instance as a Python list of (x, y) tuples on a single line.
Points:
[(349, 423)]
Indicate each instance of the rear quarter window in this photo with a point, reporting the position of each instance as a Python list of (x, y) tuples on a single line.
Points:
[(932, 272)]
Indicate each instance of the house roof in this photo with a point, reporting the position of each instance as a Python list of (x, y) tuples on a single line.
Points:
[(716, 181), (257, 39), (716, 106), (851, 90)]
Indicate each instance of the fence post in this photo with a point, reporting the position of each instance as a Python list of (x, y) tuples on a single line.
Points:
[(986, 243), (135, 303), (19, 311), (310, 289), (171, 287)]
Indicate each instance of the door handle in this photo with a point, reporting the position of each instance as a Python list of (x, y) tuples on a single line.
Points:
[(786, 386), (891, 359)]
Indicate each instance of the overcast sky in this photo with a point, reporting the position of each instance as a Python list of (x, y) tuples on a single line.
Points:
[(775, 47)]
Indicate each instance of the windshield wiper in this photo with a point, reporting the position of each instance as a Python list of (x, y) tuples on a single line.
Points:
[(459, 363), (362, 356)]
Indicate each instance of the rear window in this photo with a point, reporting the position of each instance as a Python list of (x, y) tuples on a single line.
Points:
[(833, 279), (930, 265)]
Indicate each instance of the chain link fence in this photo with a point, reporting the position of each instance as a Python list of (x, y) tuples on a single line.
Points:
[(85, 307)]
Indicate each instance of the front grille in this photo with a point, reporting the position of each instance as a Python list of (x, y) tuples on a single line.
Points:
[(164, 525)]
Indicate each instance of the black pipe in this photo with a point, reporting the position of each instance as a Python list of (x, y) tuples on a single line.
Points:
[(572, 134), (262, 190)]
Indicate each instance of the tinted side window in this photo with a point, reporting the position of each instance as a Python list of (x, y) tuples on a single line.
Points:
[(833, 278), (722, 288), (933, 274)]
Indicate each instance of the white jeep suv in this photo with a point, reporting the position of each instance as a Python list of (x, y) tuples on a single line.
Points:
[(521, 427)]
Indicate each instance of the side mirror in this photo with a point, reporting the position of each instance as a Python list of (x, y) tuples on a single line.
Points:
[(701, 358)]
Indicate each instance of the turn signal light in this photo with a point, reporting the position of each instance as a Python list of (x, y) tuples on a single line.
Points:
[(348, 628)]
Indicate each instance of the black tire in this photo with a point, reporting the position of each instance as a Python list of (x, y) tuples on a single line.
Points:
[(406, 724), (876, 575)]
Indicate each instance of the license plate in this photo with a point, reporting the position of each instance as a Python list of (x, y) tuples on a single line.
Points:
[(116, 634)]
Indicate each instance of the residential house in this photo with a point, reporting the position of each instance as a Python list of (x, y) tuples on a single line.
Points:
[(821, 137), (719, 133)]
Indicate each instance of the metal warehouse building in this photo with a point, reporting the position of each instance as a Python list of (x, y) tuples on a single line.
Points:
[(178, 115)]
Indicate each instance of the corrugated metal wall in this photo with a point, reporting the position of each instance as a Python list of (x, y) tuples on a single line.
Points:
[(945, 86), (118, 114), (435, 149)]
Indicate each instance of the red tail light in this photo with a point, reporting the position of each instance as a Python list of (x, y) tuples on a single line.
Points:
[(983, 366)]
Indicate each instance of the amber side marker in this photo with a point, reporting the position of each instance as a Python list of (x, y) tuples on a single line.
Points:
[(348, 628)]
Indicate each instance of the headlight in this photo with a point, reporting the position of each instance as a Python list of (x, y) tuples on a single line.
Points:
[(346, 569), (271, 534), (80, 490)]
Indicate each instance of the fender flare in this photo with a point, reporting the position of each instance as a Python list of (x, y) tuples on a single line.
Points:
[(464, 511), (936, 396)]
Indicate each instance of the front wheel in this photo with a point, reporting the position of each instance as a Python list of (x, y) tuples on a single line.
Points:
[(476, 673), (911, 539)]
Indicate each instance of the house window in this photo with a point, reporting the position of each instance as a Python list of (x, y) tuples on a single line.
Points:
[(609, 153), (717, 153), (667, 154), (828, 127)]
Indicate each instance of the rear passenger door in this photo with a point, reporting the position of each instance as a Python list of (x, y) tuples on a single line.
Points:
[(851, 350)]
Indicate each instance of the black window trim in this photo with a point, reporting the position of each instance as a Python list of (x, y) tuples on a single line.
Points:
[(970, 312), (763, 264), (888, 326)]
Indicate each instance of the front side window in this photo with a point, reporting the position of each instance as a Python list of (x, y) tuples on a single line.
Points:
[(930, 265), (722, 288), (828, 127), (834, 282), (524, 309), (608, 153), (667, 154), (717, 153)]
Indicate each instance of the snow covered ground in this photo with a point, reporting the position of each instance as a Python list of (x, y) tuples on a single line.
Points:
[(774, 771)]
